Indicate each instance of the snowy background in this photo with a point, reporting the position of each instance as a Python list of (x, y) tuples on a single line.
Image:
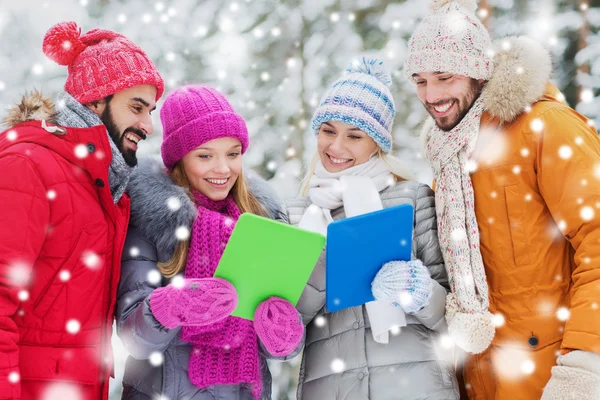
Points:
[(273, 60)]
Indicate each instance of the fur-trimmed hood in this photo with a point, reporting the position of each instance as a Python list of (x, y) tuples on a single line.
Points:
[(34, 106), (159, 206), (522, 70)]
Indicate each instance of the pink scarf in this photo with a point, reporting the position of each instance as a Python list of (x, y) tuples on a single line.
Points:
[(225, 353)]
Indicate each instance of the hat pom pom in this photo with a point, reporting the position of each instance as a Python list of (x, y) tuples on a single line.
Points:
[(371, 66), (470, 5), (62, 43)]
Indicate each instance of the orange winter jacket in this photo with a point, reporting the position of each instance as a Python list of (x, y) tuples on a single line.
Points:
[(537, 202)]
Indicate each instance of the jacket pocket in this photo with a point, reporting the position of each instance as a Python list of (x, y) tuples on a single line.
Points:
[(516, 219), (55, 285)]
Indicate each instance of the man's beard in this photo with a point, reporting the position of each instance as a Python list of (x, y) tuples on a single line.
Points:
[(464, 105), (119, 139)]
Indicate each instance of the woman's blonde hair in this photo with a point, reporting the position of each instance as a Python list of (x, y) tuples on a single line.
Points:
[(243, 198), (396, 167)]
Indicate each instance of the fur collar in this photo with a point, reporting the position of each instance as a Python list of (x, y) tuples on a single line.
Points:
[(522, 68), (34, 106), (159, 207)]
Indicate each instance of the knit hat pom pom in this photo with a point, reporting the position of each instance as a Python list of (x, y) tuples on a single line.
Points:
[(472, 332), (470, 5), (371, 66), (62, 43)]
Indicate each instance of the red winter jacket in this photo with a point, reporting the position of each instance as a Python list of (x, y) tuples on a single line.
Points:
[(61, 238)]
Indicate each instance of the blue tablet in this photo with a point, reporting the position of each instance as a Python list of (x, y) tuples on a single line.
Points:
[(357, 248)]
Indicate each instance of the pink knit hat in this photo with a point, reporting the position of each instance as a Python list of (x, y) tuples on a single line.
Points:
[(101, 62), (193, 115)]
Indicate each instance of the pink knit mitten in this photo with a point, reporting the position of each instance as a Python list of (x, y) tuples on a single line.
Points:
[(278, 326), (199, 302)]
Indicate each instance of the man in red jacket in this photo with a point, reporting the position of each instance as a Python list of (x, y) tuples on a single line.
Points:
[(64, 214)]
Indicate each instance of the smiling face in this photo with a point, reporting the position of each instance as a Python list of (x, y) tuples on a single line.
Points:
[(126, 115), (213, 168), (341, 146), (447, 97)]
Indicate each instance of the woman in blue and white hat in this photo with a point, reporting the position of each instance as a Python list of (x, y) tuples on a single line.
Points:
[(390, 348)]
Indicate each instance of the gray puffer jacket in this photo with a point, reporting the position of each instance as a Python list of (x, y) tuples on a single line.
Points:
[(413, 365), (150, 239)]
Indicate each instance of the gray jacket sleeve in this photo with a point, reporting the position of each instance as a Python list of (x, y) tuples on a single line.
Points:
[(312, 299), (137, 328), (429, 252)]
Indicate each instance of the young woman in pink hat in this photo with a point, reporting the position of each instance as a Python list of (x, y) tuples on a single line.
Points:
[(170, 308)]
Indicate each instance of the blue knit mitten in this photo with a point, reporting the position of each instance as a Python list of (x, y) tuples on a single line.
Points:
[(405, 283)]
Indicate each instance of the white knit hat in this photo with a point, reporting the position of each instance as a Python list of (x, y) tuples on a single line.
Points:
[(451, 39)]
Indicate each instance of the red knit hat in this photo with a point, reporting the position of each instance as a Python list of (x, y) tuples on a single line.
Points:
[(101, 62)]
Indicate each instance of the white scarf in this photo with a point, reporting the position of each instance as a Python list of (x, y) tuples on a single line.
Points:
[(469, 321), (357, 189)]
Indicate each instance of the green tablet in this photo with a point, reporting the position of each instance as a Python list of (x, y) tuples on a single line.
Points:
[(265, 258)]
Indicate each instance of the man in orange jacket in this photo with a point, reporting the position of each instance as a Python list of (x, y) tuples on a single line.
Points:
[(64, 214), (517, 190)]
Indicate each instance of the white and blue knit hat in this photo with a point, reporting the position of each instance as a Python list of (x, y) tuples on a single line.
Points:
[(361, 98)]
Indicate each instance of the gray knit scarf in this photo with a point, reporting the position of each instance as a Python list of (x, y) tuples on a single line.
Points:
[(73, 114)]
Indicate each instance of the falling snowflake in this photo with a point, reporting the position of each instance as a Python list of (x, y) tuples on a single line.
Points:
[(290, 152), (471, 166), (587, 213), (334, 17), (62, 391), (153, 277), (91, 259), (490, 220), (351, 17), (134, 251), (405, 298), (81, 151), (498, 320), (14, 377), (565, 152), (494, 195), (587, 96), (562, 225), (594, 306), (178, 281), (23, 295), (528, 197), (228, 221), (19, 274), (527, 367), (276, 32), (584, 182), (395, 330), (320, 321), (338, 366), (2, 86), (271, 166), (516, 170), (51, 195), (458, 235), (446, 342), (563, 314), (156, 359), (537, 125), (524, 152), (37, 69), (11, 135), (73, 326), (182, 233), (578, 140)]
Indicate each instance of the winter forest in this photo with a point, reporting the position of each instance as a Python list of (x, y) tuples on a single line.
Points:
[(274, 58)]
